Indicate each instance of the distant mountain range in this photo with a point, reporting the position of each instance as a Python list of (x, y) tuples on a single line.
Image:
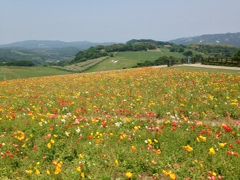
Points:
[(36, 44), (231, 39)]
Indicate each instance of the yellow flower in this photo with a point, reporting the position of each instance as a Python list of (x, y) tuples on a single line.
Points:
[(150, 141), (29, 172), (58, 168), (48, 172), (170, 174), (78, 169), (116, 163), (136, 128), (82, 175), (212, 151), (173, 176), (81, 156), (211, 97), (129, 175), (201, 139), (222, 145), (37, 172), (49, 145), (20, 135), (52, 141), (166, 173), (123, 136), (188, 148)]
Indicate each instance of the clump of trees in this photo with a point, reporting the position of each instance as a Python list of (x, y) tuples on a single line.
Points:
[(224, 61), (216, 51), (236, 57), (177, 48), (164, 60), (18, 63), (91, 53)]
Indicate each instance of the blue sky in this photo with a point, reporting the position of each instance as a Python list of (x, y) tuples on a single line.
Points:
[(115, 20)]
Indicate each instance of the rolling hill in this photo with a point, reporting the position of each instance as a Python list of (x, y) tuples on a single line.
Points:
[(43, 52), (231, 39), (44, 44)]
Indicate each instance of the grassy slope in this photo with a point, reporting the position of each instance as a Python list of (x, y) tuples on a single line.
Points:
[(83, 66), (7, 73), (130, 59)]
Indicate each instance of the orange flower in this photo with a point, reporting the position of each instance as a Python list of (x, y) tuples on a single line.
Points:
[(133, 149)]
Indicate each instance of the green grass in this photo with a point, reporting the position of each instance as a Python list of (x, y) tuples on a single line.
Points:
[(129, 59), (8, 73)]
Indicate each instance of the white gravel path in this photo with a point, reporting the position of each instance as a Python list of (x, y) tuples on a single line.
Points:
[(211, 66)]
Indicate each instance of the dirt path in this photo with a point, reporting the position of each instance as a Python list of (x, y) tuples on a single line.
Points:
[(211, 66)]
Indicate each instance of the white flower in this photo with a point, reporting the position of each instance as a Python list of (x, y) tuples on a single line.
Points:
[(118, 124), (67, 133), (69, 114), (78, 130)]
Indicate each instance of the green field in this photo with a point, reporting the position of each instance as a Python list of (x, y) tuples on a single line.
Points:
[(124, 60), (8, 73)]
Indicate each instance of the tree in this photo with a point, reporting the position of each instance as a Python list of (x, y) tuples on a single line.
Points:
[(188, 53), (197, 58), (236, 57)]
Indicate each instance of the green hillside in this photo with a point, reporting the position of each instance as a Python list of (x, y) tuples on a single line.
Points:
[(122, 60), (82, 66), (8, 73)]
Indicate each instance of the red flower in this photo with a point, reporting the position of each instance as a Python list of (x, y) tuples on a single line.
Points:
[(231, 153), (227, 128), (104, 124), (35, 148), (238, 141)]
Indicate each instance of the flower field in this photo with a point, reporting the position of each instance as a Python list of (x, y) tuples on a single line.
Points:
[(137, 124)]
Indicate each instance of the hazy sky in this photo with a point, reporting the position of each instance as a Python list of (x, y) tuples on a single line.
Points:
[(115, 20)]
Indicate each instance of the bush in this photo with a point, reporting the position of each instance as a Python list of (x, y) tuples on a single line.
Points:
[(20, 63)]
